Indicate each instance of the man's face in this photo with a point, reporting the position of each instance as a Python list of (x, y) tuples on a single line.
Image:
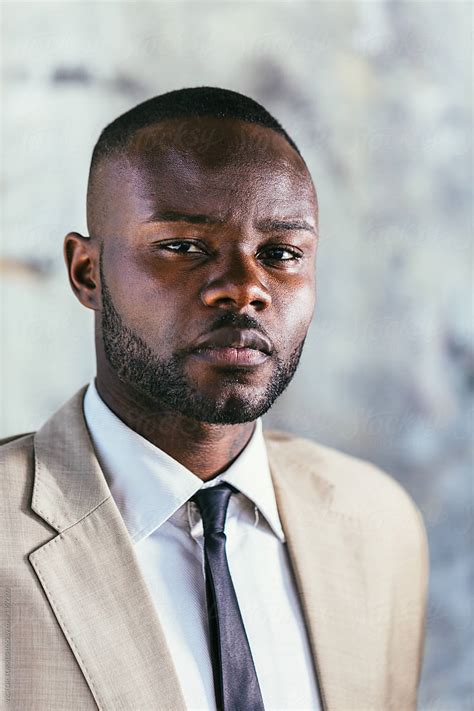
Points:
[(243, 259)]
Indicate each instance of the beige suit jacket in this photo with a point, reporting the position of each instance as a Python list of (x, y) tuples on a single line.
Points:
[(79, 628)]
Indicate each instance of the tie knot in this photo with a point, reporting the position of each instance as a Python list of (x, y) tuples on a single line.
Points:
[(212, 504)]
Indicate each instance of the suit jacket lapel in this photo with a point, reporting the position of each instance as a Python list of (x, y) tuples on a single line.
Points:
[(332, 569), (91, 577)]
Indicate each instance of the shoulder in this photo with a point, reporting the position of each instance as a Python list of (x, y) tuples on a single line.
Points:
[(14, 447), (13, 438), (16, 459), (361, 490)]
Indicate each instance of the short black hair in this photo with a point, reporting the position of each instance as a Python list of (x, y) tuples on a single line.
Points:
[(183, 103)]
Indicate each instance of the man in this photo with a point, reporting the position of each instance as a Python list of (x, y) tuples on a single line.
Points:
[(159, 549)]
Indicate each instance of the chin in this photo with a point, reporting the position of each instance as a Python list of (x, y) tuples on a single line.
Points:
[(231, 410)]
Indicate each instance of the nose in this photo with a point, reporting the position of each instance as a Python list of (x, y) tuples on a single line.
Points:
[(237, 287)]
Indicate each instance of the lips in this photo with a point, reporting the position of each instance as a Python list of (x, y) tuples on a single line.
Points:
[(232, 357), (234, 338)]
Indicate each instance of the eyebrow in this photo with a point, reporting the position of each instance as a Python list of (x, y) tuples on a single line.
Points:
[(267, 225)]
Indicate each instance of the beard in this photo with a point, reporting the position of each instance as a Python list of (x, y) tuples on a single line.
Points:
[(165, 384)]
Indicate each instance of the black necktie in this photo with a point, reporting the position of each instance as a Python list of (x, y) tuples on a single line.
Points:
[(235, 680)]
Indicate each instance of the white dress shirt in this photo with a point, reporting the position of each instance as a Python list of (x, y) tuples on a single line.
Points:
[(152, 491)]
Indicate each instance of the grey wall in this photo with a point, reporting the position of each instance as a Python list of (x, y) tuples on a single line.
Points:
[(378, 97)]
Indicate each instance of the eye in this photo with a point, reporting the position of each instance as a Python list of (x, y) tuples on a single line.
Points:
[(181, 247), (294, 255)]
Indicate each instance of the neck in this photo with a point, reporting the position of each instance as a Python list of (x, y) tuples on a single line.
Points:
[(203, 448)]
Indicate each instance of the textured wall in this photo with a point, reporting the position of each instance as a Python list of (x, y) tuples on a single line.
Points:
[(377, 95)]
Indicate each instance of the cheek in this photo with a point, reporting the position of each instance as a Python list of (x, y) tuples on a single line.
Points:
[(296, 309), (293, 315), (147, 306)]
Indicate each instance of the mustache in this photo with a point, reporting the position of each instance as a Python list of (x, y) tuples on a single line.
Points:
[(238, 321)]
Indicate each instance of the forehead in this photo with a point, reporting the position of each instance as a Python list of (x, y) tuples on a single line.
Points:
[(212, 141), (206, 156), (227, 168)]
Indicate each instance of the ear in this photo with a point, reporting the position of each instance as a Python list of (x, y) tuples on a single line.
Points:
[(82, 260)]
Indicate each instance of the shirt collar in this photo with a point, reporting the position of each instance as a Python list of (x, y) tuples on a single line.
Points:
[(148, 485)]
